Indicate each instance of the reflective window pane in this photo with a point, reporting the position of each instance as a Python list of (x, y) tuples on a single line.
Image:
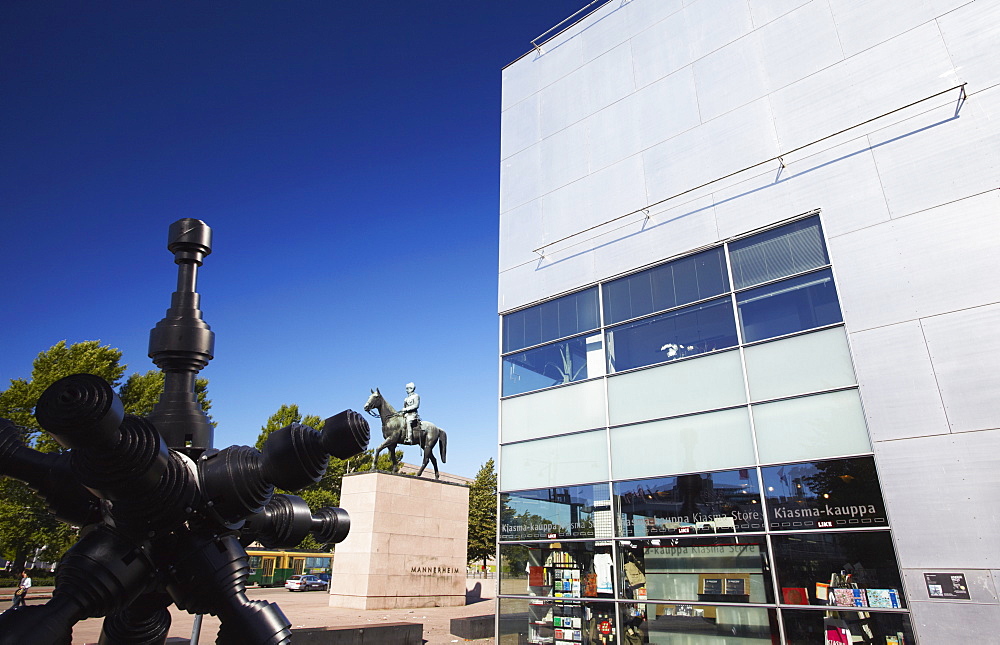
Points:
[(710, 382), (730, 569), (557, 621), (810, 627), (840, 493), (698, 625), (565, 512), (677, 283), (812, 362), (843, 569), (811, 427), (568, 459), (557, 569), (685, 332), (712, 441), (801, 303), (777, 253), (563, 362), (560, 410), (722, 502), (559, 318)]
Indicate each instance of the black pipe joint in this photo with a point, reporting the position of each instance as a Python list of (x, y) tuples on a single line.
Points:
[(80, 411), (345, 435), (284, 522), (232, 484), (48, 474), (103, 572)]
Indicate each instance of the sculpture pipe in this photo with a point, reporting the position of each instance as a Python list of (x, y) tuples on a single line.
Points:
[(182, 344), (48, 474), (164, 513)]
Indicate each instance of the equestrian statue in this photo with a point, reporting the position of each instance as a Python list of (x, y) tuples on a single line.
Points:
[(406, 428)]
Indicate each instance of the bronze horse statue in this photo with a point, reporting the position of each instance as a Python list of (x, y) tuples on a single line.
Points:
[(394, 431)]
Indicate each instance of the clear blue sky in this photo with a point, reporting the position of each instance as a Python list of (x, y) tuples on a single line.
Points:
[(346, 156)]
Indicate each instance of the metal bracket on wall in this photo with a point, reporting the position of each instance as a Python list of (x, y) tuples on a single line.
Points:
[(534, 42), (778, 158)]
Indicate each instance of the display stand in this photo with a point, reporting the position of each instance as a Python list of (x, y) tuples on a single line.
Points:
[(407, 546)]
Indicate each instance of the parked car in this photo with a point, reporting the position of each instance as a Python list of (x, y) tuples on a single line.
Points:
[(304, 583)]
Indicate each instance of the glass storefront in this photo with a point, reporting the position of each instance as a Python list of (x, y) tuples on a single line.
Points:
[(734, 498), (589, 579), (832, 494), (567, 512), (720, 502), (557, 621)]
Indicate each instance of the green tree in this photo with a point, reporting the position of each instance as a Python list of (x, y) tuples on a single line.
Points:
[(285, 416), (25, 524), (17, 402), (325, 492), (141, 392), (483, 514)]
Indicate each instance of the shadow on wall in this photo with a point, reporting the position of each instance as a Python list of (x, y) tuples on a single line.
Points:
[(479, 591), (546, 262)]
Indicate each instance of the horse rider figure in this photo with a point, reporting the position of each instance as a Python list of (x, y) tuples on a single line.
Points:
[(409, 411)]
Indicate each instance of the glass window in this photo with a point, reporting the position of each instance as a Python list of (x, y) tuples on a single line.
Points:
[(708, 569), (778, 253), (839, 493), (843, 569), (810, 627), (677, 283), (698, 624), (559, 318), (556, 621), (722, 502), (554, 461), (560, 410), (566, 512), (564, 362), (811, 427), (801, 303), (557, 569), (801, 364), (712, 441), (709, 382), (685, 332)]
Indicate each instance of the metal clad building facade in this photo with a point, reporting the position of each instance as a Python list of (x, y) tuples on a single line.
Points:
[(749, 289)]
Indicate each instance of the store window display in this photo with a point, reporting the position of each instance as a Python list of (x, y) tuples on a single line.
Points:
[(722, 569), (847, 628), (842, 569), (557, 570), (666, 624), (557, 622)]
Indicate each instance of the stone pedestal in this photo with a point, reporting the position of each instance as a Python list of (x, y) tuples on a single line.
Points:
[(407, 545)]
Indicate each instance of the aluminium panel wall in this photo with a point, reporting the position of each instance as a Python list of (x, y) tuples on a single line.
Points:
[(910, 206)]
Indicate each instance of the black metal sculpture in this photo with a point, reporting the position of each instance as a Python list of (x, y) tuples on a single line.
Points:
[(164, 516)]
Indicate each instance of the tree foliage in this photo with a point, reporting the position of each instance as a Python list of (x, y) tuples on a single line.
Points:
[(17, 403), (325, 492), (141, 392), (483, 514), (285, 416), (25, 523)]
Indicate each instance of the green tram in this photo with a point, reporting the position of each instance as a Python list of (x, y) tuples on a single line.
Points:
[(272, 568)]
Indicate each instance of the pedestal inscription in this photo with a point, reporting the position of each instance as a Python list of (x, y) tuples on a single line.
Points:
[(407, 546)]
